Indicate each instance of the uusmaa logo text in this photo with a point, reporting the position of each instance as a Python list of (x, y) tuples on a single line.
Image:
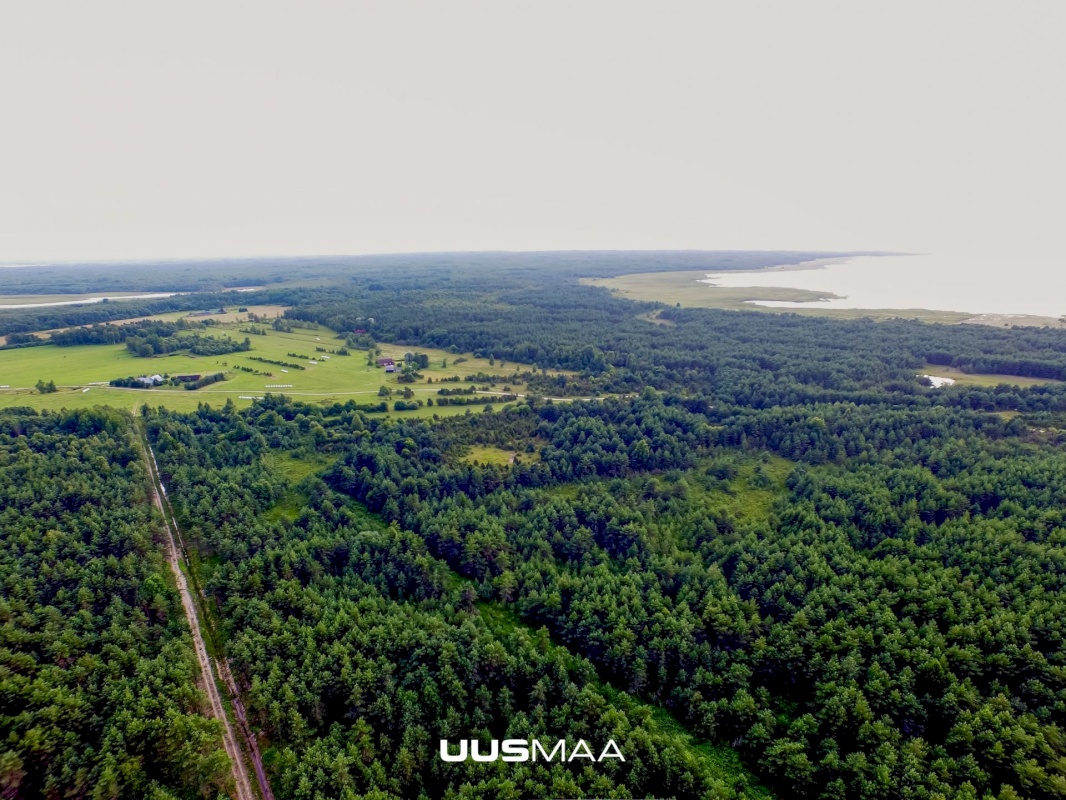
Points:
[(524, 750)]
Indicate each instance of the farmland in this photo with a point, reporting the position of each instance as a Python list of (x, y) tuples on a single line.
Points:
[(79, 370)]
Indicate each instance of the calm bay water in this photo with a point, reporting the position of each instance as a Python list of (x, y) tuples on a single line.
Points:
[(84, 300), (941, 283)]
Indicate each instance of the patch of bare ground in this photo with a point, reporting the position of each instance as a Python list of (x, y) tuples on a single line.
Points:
[(1016, 320)]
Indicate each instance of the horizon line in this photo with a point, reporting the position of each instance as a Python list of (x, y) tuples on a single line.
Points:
[(23, 263)]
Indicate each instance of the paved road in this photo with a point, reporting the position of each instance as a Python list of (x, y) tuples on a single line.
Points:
[(241, 781)]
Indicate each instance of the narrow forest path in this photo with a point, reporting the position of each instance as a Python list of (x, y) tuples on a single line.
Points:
[(241, 779)]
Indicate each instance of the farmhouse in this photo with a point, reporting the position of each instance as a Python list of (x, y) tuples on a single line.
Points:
[(386, 362), (150, 380)]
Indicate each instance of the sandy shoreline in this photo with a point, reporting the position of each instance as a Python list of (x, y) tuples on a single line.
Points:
[(803, 266)]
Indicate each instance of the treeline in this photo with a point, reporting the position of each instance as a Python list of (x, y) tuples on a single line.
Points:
[(473, 400), (97, 675), (117, 334), (149, 346), (17, 341), (147, 338), (286, 364), (206, 380), (29, 320)]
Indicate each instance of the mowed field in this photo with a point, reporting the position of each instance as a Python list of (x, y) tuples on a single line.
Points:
[(981, 379), (333, 378)]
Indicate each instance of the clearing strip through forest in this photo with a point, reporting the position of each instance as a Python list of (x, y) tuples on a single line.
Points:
[(241, 780)]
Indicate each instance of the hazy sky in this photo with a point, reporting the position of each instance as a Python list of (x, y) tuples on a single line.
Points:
[(223, 128)]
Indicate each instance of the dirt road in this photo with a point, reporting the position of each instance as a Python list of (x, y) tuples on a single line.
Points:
[(241, 780)]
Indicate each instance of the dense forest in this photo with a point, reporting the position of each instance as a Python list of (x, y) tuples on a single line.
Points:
[(222, 274), (769, 561), (359, 650), (206, 286), (98, 682), (888, 625)]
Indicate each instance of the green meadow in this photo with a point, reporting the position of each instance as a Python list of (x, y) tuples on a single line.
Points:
[(332, 378), (981, 379)]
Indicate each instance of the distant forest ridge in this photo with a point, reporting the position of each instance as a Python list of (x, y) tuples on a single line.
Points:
[(211, 275)]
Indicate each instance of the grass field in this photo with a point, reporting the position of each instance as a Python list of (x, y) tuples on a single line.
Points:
[(485, 454), (332, 378), (979, 379), (294, 470), (482, 454)]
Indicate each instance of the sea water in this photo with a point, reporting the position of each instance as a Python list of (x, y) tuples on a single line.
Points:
[(976, 285)]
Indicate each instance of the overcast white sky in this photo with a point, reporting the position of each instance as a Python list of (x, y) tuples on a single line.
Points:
[(222, 128)]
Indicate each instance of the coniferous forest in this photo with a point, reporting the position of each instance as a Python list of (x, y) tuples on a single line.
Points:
[(766, 562), (98, 682)]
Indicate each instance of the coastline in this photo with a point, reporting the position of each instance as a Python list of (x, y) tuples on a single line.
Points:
[(803, 266), (701, 289)]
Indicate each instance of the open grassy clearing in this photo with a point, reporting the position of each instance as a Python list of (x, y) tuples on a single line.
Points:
[(685, 288), (294, 470), (980, 379), (750, 495), (747, 490), (333, 378), (482, 454), (486, 454)]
